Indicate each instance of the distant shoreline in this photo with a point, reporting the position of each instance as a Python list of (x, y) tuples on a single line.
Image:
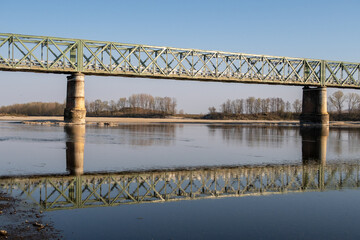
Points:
[(97, 120), (113, 121)]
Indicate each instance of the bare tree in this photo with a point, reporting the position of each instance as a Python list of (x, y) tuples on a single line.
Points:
[(132, 101), (121, 103), (287, 106), (87, 105), (173, 105), (337, 100), (237, 106), (158, 104), (105, 106), (297, 106), (91, 107), (280, 105), (250, 105), (113, 106), (226, 107), (273, 105), (98, 107), (265, 105), (257, 105), (212, 110), (353, 100), (151, 102), (330, 107)]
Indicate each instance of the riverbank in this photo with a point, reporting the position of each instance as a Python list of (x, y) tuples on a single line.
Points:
[(113, 121), (21, 220)]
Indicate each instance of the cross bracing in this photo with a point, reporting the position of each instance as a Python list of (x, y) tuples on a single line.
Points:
[(111, 189), (63, 55)]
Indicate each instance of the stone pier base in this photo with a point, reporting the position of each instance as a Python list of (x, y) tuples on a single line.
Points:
[(314, 107), (75, 111)]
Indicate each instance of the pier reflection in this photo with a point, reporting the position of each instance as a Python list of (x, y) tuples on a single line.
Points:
[(75, 142), (314, 143), (81, 190), (313, 149)]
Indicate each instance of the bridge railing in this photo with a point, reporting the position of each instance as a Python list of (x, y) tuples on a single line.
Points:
[(62, 55), (93, 190)]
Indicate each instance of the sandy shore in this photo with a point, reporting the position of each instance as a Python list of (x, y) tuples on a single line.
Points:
[(113, 121), (93, 120)]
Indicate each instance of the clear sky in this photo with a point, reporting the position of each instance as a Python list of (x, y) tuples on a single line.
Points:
[(312, 29)]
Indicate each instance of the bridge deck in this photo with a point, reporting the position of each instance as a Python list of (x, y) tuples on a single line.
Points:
[(63, 55)]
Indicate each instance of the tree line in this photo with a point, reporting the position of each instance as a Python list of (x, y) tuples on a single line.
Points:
[(341, 106), (340, 102), (135, 104), (253, 105), (34, 109)]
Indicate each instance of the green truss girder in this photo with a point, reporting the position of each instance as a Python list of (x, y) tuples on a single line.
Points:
[(64, 55), (101, 190)]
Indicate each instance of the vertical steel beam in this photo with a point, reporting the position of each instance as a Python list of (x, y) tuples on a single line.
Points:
[(306, 70), (80, 55), (322, 73)]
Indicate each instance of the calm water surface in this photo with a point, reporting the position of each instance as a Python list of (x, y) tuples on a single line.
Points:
[(191, 181)]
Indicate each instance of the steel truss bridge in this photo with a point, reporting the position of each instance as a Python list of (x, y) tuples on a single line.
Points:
[(64, 55), (111, 189)]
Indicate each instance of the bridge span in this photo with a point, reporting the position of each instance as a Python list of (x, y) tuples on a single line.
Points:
[(78, 57), (53, 192)]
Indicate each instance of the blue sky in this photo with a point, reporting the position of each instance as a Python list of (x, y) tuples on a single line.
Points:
[(311, 29)]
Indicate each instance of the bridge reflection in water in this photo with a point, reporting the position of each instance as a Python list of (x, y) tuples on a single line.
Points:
[(79, 190)]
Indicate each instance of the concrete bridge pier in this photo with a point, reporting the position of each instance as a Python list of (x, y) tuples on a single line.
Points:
[(75, 111), (314, 107)]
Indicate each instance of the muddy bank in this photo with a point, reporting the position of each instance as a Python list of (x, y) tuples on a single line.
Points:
[(22, 220)]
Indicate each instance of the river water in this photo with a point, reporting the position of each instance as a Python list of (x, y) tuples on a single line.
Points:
[(186, 181)]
